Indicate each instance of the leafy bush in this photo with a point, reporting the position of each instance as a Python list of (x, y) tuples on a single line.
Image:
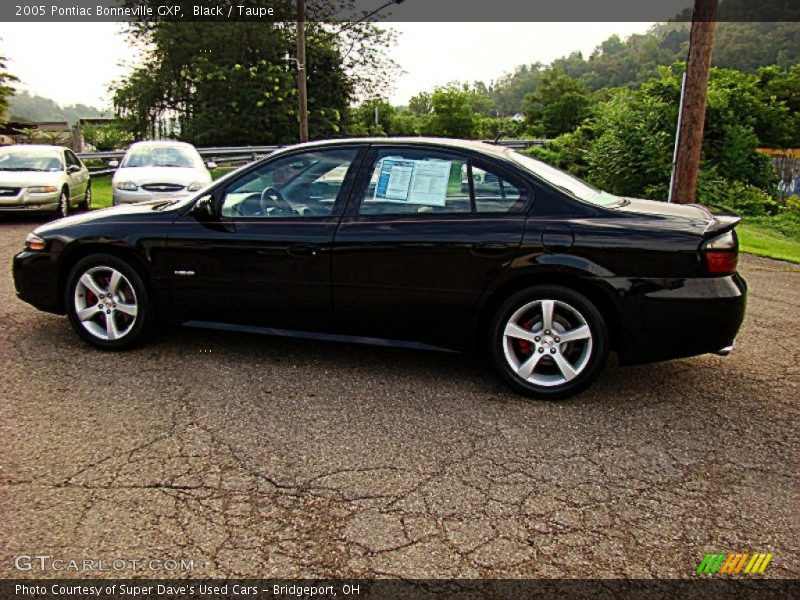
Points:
[(627, 146), (106, 137), (741, 198)]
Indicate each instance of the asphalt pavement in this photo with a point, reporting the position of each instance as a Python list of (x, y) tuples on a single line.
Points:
[(254, 456)]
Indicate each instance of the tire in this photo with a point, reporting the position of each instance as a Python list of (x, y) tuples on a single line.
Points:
[(89, 313), (63, 208), (560, 369), (86, 203)]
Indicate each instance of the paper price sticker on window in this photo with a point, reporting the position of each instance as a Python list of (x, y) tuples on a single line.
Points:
[(413, 181)]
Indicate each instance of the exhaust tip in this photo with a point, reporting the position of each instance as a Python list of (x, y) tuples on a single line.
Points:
[(725, 351)]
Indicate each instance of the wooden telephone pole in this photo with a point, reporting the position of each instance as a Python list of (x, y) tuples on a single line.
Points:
[(301, 69), (689, 143)]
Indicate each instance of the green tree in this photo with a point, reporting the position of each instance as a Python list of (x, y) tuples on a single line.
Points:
[(362, 121), (6, 89), (420, 104), (559, 104), (626, 147), (229, 82), (452, 114), (106, 137)]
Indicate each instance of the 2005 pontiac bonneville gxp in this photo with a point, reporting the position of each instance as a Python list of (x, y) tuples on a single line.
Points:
[(447, 243)]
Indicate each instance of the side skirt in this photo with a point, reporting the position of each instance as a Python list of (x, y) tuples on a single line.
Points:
[(311, 335)]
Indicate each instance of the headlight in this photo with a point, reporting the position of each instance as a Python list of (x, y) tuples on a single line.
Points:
[(34, 242), (197, 185), (43, 189), (128, 186)]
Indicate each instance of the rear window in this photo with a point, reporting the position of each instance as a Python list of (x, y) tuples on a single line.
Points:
[(566, 182)]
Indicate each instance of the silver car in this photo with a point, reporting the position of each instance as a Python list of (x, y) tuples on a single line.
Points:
[(43, 179), (152, 170)]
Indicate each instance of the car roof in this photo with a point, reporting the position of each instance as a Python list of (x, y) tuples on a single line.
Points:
[(482, 147)]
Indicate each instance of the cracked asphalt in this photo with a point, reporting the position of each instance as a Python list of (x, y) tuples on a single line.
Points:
[(264, 457)]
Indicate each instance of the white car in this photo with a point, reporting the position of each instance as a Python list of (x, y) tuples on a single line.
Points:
[(152, 170), (38, 178)]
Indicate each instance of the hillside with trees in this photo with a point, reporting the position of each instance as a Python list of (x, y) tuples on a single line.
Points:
[(24, 106)]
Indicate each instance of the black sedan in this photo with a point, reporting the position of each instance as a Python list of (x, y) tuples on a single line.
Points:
[(418, 242)]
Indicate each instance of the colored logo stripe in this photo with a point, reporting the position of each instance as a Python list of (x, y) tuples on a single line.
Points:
[(734, 563)]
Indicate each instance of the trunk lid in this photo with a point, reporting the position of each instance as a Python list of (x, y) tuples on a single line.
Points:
[(709, 220)]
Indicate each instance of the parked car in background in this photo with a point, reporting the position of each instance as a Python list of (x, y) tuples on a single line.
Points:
[(151, 170), (377, 238), (37, 178)]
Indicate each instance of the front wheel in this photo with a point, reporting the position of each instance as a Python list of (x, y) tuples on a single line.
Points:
[(107, 303), (63, 208), (86, 203), (549, 342)]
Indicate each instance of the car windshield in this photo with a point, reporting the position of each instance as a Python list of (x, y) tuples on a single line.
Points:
[(566, 182), (160, 156), (30, 160)]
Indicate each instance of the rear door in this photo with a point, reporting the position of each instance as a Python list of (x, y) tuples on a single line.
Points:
[(78, 179), (424, 233)]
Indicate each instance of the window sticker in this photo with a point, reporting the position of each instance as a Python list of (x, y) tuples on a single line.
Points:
[(412, 181)]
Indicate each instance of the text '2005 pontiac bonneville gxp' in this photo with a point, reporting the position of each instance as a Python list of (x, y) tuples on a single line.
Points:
[(428, 242)]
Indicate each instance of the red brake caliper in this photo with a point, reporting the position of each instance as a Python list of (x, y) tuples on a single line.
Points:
[(524, 345)]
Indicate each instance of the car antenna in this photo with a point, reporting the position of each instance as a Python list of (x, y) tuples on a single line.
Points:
[(497, 137)]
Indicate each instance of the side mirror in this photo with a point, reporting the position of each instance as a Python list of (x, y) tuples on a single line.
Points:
[(211, 164), (114, 163), (204, 208), (73, 169)]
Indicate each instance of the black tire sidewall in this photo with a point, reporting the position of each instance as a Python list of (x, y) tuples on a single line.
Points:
[(86, 203), (63, 205), (597, 325), (144, 319)]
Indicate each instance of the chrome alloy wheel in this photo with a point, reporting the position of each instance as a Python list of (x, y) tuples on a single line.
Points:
[(547, 342), (105, 303)]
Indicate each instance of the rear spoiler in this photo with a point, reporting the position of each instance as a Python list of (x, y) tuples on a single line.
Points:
[(720, 219)]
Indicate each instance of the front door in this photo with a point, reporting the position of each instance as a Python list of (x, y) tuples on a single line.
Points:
[(264, 257), (425, 232)]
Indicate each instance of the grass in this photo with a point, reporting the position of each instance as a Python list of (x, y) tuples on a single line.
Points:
[(761, 239), (101, 187)]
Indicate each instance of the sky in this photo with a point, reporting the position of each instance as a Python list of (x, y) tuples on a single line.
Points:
[(428, 54)]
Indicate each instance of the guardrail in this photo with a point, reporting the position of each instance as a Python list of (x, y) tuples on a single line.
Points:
[(221, 151), (242, 154)]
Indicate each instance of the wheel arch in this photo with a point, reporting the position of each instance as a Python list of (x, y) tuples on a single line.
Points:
[(594, 291)]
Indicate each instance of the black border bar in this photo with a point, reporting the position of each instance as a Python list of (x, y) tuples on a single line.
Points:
[(444, 11)]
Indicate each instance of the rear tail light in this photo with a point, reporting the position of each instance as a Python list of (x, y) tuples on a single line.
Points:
[(721, 254)]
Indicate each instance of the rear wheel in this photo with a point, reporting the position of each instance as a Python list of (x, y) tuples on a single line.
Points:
[(549, 342), (107, 303)]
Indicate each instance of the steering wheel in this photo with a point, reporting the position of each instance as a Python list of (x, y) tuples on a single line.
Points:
[(271, 198)]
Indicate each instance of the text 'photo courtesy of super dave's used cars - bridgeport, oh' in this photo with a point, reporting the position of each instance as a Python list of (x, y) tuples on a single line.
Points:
[(423, 242)]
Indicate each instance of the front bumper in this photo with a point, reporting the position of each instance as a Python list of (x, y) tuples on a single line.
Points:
[(36, 280), (662, 319), (129, 197), (26, 202)]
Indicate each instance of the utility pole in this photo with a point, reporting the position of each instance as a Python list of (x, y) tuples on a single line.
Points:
[(301, 69), (692, 117)]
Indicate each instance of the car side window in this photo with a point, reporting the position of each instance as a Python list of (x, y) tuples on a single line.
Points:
[(494, 193), (409, 181), (71, 159), (300, 185)]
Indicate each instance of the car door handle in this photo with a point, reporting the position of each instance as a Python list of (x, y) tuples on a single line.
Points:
[(490, 248), (304, 250)]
